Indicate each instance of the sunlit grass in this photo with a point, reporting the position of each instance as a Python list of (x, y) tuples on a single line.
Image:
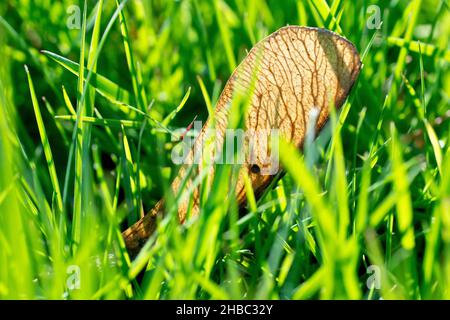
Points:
[(76, 168)]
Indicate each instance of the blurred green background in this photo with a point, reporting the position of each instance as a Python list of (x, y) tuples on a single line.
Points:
[(374, 194)]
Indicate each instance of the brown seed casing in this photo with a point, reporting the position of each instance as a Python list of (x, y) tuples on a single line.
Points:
[(297, 69)]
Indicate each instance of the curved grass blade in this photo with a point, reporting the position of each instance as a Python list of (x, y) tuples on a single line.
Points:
[(103, 122), (172, 115), (103, 85)]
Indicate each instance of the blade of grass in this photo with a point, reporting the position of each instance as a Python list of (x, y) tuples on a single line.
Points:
[(225, 34), (138, 88), (103, 122), (173, 114), (68, 102), (326, 15), (415, 46), (206, 98), (129, 178), (102, 85), (78, 142), (46, 145), (309, 288)]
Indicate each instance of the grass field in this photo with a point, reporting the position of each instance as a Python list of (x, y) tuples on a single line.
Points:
[(85, 148)]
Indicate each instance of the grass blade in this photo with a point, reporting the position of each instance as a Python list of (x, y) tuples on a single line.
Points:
[(102, 85), (46, 145)]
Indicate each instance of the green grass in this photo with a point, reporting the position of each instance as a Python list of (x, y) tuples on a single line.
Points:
[(79, 166)]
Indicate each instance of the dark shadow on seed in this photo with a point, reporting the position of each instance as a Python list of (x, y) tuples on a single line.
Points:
[(335, 57)]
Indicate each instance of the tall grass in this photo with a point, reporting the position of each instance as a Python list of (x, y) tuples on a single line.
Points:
[(366, 203)]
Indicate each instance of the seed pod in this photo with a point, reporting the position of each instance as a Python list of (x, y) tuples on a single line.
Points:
[(288, 74)]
